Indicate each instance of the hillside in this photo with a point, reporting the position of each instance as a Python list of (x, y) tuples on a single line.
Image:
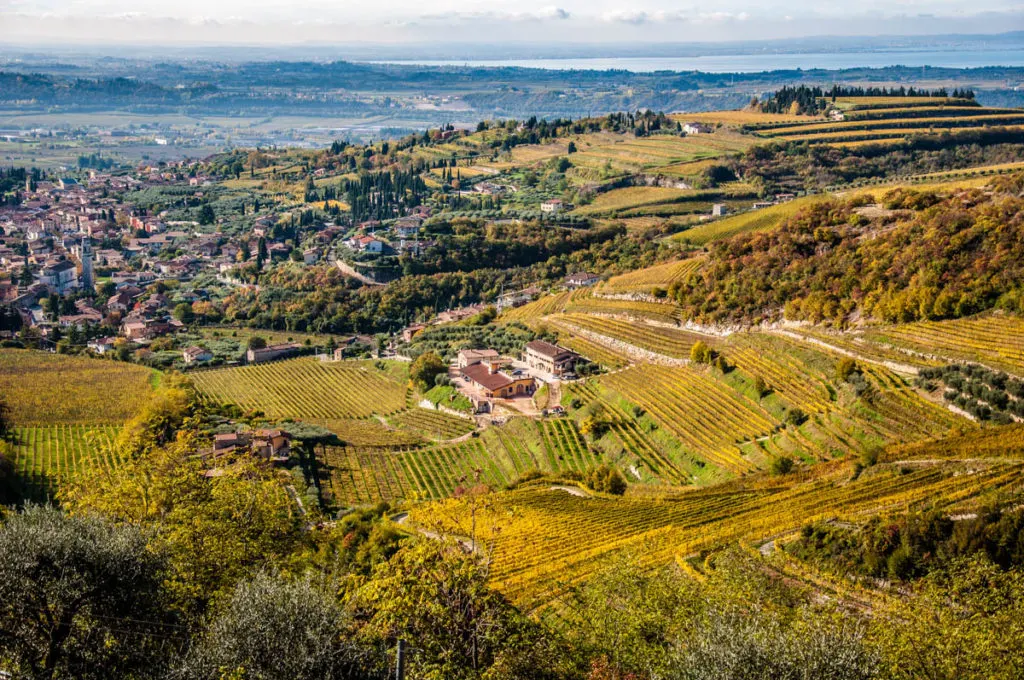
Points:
[(621, 392)]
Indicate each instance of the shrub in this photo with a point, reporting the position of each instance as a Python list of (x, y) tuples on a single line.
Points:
[(606, 479), (782, 465), (700, 353)]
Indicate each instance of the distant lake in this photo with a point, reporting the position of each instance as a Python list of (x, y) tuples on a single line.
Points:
[(761, 61)]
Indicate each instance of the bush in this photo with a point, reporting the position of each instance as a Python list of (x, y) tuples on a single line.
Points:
[(846, 367), (782, 465), (606, 479), (795, 417), (256, 342), (700, 353)]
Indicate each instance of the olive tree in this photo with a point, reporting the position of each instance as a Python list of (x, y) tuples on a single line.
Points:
[(79, 598)]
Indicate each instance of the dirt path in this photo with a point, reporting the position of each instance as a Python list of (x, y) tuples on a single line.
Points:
[(905, 369), (572, 491)]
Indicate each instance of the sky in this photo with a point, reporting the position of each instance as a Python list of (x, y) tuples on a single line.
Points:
[(229, 22)]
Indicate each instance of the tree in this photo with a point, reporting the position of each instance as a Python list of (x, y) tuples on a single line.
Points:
[(436, 596), (964, 623), (845, 368), (425, 368), (275, 628), (782, 465), (700, 353), (183, 313), (256, 342), (79, 598), (761, 387), (206, 214), (606, 479)]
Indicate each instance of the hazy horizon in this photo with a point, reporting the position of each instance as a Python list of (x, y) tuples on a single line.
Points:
[(398, 22)]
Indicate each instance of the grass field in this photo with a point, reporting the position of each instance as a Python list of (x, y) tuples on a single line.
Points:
[(51, 389)]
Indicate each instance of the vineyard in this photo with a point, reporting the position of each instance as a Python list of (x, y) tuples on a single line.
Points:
[(666, 312), (658, 276), (753, 220), (658, 339), (892, 119), (546, 540), (304, 388), (433, 424), (994, 339), (49, 389), (707, 417), (47, 456)]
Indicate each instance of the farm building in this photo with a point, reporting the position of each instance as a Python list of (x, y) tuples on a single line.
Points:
[(581, 279), (468, 357), (544, 356), (192, 355), (258, 356), (494, 384)]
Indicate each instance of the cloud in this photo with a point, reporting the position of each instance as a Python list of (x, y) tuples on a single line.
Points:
[(623, 16)]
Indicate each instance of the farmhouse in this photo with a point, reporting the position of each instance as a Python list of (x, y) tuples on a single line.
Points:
[(271, 443), (193, 355), (581, 279), (492, 383), (696, 128), (272, 352), (468, 357), (554, 206), (544, 356), (719, 210)]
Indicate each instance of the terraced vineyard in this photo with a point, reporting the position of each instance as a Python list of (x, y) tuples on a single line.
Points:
[(658, 276), (546, 540), (433, 424), (592, 351), (870, 119), (46, 456), (994, 339), (47, 389), (531, 311), (753, 220), (708, 418), (666, 341), (304, 388), (797, 383), (660, 312)]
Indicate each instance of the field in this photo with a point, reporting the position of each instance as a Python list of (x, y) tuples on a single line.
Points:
[(304, 388), (46, 456), (654, 153), (660, 340), (546, 539), (51, 389), (993, 339), (658, 276), (753, 220), (869, 119), (360, 475)]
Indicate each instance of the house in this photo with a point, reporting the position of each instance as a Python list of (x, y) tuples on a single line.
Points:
[(310, 256), (223, 443), (410, 331), (696, 128), (366, 244), (490, 381), (517, 298), (554, 206), (719, 210), (193, 355), (544, 356), (581, 279), (468, 357), (272, 352), (271, 444), (101, 345)]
